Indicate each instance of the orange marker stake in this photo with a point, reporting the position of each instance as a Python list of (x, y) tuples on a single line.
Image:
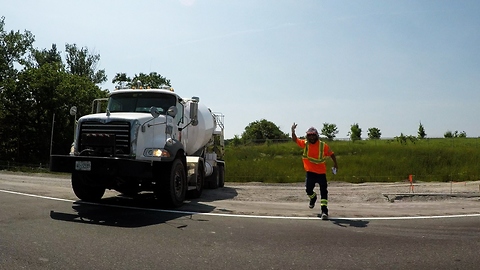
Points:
[(410, 178)]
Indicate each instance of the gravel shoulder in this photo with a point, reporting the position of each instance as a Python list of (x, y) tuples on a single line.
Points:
[(346, 200)]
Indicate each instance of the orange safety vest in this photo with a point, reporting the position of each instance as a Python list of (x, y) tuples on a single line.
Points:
[(316, 163), (317, 160)]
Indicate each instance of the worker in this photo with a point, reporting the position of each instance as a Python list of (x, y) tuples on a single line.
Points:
[(314, 154)]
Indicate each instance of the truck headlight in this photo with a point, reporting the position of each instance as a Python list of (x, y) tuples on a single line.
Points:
[(156, 152)]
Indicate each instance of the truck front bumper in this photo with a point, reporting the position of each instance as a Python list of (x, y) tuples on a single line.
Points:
[(101, 166)]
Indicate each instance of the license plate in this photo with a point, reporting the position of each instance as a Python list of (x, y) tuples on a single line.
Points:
[(83, 165)]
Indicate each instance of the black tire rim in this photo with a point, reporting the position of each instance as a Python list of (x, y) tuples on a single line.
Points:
[(178, 182)]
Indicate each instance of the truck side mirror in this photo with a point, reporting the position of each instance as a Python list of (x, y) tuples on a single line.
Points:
[(154, 112), (194, 111), (73, 111), (172, 111)]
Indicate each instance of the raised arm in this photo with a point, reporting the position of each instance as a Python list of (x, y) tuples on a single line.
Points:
[(294, 136)]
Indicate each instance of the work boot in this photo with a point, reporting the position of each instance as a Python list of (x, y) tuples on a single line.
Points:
[(312, 201), (324, 214)]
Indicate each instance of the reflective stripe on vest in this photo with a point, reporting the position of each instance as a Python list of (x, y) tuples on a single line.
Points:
[(319, 159)]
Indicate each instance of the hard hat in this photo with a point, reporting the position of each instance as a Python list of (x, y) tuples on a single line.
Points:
[(312, 130)]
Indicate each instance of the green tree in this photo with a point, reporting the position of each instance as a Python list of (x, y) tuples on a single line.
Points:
[(329, 130), (260, 131), (355, 132), (79, 61), (38, 90), (14, 49), (421, 132), (236, 141), (152, 80), (43, 57), (40, 93), (402, 139), (456, 134), (374, 133), (121, 79)]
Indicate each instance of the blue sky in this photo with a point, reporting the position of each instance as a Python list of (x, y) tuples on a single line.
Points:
[(384, 64)]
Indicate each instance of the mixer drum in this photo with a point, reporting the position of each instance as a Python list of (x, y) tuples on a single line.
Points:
[(196, 137)]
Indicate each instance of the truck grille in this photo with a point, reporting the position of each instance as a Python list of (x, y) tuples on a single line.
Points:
[(106, 140)]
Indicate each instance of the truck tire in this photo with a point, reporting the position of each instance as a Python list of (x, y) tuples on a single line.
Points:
[(221, 176), (85, 191), (173, 190), (200, 175)]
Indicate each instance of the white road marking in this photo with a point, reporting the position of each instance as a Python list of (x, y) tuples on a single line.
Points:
[(237, 215), (35, 196)]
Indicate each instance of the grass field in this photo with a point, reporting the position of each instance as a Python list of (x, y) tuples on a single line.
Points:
[(452, 159), (441, 160)]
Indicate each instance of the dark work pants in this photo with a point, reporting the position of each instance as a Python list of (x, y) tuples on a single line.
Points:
[(321, 180)]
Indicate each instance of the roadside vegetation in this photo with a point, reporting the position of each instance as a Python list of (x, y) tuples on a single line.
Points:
[(383, 160), (443, 160)]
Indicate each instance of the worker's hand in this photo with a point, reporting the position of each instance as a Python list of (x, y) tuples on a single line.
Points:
[(294, 126)]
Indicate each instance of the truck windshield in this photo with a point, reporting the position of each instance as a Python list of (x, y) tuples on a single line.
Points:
[(140, 102)]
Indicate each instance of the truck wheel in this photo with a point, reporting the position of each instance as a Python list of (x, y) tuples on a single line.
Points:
[(213, 180), (200, 175), (84, 191), (221, 176), (173, 192)]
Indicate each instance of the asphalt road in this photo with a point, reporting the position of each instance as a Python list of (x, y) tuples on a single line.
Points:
[(39, 232)]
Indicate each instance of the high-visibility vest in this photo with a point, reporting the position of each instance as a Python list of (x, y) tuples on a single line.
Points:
[(316, 160)]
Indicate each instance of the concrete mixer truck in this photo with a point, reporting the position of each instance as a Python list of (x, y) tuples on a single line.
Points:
[(146, 140)]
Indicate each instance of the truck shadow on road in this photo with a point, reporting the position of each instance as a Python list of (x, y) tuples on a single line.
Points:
[(218, 194), (129, 213)]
